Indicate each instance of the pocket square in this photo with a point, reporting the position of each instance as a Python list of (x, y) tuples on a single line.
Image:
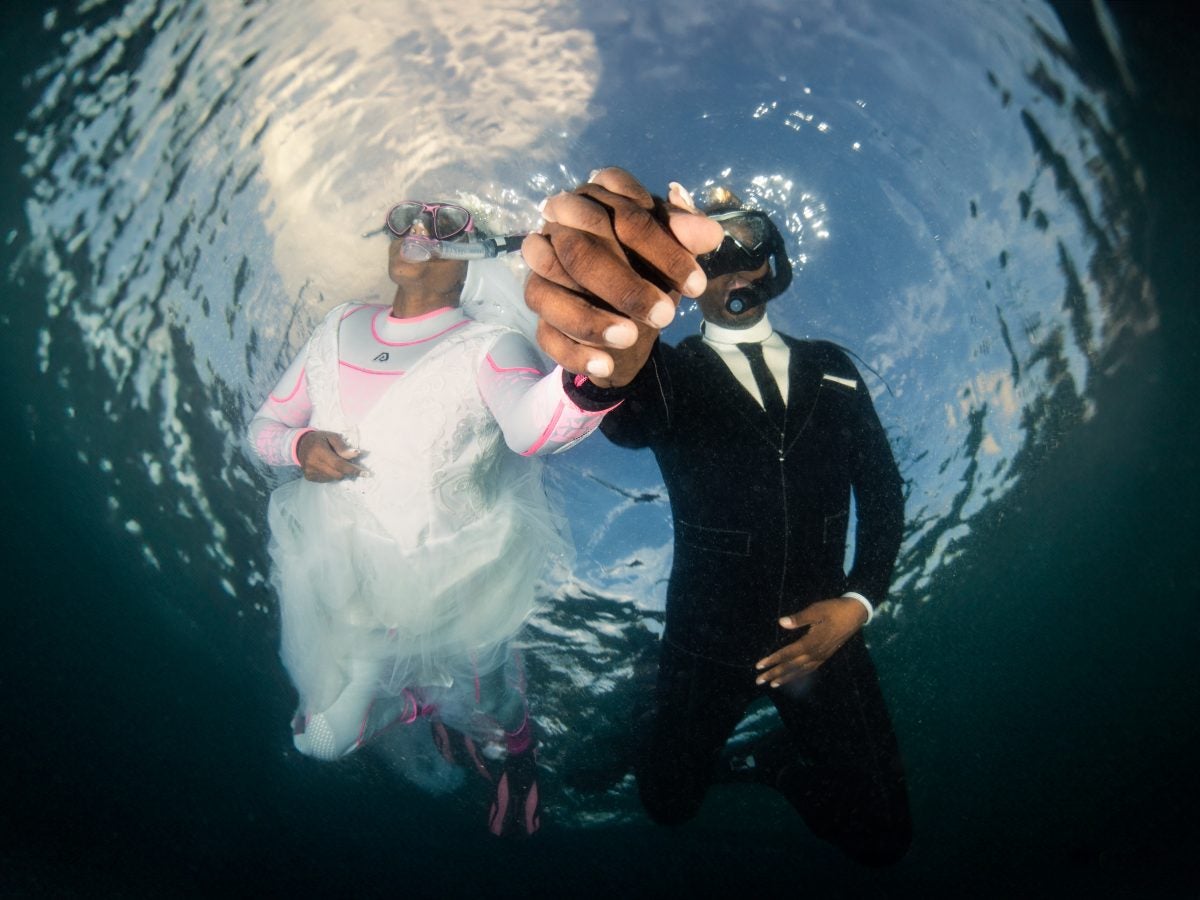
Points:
[(844, 382)]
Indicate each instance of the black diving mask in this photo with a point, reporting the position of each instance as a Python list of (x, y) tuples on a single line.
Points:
[(751, 239)]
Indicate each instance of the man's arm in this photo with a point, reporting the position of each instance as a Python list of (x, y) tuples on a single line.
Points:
[(644, 418), (879, 499)]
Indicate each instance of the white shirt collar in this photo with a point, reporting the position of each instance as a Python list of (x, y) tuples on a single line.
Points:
[(755, 334)]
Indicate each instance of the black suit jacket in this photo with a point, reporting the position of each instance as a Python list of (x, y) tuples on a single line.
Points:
[(760, 517)]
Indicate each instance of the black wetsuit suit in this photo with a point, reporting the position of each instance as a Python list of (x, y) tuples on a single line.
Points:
[(760, 519)]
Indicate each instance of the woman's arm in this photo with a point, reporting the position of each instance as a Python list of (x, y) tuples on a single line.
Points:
[(539, 413), (281, 421)]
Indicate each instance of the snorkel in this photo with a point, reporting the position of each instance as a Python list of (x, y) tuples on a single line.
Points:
[(770, 286), (442, 230), (419, 248)]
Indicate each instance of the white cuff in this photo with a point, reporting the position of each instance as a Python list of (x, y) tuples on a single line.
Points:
[(865, 602)]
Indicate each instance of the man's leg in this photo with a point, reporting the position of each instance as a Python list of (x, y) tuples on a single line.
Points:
[(848, 781), (698, 704)]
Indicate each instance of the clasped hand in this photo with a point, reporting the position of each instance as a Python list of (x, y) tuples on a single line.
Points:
[(830, 624), (324, 456), (607, 272)]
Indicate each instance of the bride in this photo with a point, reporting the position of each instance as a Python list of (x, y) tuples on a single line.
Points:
[(406, 556)]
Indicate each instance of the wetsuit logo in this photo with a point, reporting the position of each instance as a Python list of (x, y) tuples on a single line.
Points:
[(382, 357)]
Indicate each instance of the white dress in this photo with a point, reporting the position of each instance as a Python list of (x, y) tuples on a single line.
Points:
[(422, 573)]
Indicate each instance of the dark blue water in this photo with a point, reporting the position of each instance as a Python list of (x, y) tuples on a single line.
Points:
[(1040, 662)]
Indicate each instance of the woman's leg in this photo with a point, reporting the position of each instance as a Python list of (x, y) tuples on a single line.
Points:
[(361, 710), (516, 809)]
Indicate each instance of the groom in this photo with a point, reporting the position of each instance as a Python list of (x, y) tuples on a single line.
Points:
[(761, 440)]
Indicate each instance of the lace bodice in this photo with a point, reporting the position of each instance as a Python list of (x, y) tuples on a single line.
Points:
[(435, 453)]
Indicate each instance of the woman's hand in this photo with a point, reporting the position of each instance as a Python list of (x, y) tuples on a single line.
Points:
[(324, 456)]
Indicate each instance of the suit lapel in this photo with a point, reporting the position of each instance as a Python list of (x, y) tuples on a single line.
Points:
[(802, 391), (740, 400)]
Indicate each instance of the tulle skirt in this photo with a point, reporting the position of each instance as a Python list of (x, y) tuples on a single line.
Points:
[(358, 594)]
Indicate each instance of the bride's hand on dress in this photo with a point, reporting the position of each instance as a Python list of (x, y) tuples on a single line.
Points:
[(324, 456), (608, 270)]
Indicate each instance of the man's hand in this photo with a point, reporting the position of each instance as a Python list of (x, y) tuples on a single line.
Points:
[(323, 456), (830, 624), (607, 272)]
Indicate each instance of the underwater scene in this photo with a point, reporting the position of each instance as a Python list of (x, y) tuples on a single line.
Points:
[(989, 204)]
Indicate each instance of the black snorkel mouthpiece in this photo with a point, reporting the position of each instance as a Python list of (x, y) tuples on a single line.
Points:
[(766, 288), (751, 239), (746, 298)]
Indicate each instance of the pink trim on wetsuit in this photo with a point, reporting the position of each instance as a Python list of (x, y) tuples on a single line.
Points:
[(375, 331), (396, 372), (296, 443), (580, 381), (533, 411), (416, 711), (362, 729), (537, 445), (501, 369), (591, 412), (519, 739), (422, 316), (532, 819), (295, 389)]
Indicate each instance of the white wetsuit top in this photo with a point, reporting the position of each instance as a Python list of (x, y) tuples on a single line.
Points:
[(537, 413), (421, 576)]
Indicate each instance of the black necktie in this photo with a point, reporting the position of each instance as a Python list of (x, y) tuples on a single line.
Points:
[(772, 399)]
